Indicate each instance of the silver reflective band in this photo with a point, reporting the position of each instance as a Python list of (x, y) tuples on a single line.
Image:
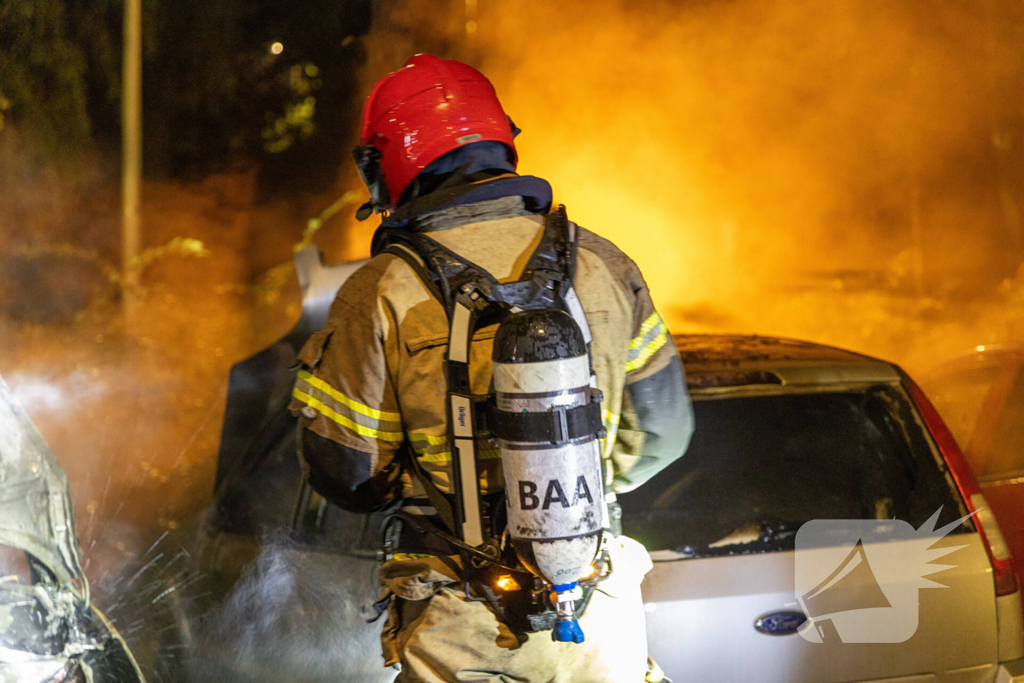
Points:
[(458, 336), (472, 532), (576, 311)]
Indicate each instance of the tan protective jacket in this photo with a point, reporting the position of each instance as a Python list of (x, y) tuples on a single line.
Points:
[(372, 394)]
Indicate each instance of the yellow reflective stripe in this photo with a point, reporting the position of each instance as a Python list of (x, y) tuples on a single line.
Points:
[(346, 401), (421, 443), (430, 439), (436, 458), (646, 327), (328, 412), (402, 557), (647, 352), (611, 423), (609, 418)]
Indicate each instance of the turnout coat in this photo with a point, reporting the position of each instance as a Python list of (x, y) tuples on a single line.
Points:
[(371, 395)]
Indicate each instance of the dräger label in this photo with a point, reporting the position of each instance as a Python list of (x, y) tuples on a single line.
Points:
[(460, 414)]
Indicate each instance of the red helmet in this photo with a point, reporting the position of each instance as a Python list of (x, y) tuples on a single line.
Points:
[(419, 113)]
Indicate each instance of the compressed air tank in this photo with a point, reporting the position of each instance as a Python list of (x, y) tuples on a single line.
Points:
[(553, 491)]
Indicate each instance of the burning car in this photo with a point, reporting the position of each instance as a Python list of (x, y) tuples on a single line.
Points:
[(49, 630)]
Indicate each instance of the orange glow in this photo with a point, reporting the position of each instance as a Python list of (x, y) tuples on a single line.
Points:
[(773, 168), (588, 573), (743, 153), (507, 583)]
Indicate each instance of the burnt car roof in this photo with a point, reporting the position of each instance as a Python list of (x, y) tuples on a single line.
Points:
[(724, 362), (717, 348)]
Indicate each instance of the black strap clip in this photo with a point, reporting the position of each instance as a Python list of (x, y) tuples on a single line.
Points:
[(559, 426)]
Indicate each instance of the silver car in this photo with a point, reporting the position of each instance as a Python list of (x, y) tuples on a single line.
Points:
[(787, 433), (49, 630)]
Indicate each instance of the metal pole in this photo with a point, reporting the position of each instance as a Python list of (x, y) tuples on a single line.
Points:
[(131, 145)]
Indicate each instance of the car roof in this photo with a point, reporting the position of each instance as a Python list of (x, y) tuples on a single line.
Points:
[(717, 363)]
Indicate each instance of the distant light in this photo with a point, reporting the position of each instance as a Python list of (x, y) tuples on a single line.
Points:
[(471, 27), (979, 348), (276, 48)]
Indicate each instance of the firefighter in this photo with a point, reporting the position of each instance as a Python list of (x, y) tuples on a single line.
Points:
[(438, 157)]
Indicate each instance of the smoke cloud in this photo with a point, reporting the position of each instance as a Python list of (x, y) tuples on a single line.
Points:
[(296, 614), (745, 153)]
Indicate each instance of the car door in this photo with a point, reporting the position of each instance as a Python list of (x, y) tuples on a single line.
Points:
[(721, 525)]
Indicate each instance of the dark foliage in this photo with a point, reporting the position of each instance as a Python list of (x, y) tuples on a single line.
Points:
[(211, 84)]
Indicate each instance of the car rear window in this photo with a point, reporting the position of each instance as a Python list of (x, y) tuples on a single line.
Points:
[(760, 466)]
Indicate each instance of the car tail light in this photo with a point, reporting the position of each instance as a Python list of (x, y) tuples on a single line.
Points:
[(988, 529), (998, 551)]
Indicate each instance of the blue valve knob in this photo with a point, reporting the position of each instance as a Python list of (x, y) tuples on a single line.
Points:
[(567, 629), (567, 632)]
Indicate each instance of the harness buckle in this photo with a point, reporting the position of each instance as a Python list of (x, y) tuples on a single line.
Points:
[(392, 529), (560, 426)]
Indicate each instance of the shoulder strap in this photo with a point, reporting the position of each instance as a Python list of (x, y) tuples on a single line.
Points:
[(440, 502), (411, 257), (462, 419), (464, 519)]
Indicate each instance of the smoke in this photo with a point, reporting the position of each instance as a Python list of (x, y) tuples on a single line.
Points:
[(296, 614), (847, 173), (47, 394), (747, 153)]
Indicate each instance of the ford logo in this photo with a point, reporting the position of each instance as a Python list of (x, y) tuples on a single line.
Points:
[(780, 623)]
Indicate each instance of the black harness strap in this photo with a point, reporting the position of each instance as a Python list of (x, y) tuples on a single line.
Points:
[(410, 256), (556, 427)]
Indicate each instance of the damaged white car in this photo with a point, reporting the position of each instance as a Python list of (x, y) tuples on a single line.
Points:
[(49, 630)]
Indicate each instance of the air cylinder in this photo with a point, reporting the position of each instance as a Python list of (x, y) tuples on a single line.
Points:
[(553, 487)]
